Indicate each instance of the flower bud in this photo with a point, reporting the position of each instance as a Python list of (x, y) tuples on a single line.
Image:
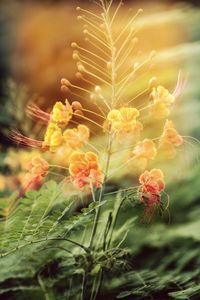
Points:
[(81, 68), (76, 105), (64, 88), (109, 65), (64, 81), (98, 90), (153, 82), (76, 57), (74, 45), (78, 113)]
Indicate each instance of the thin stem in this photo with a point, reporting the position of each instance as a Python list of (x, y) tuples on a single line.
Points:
[(91, 53), (97, 214), (88, 119), (89, 12), (83, 286), (113, 56), (45, 240), (115, 221), (115, 13), (95, 68), (58, 166), (137, 96), (92, 191), (92, 112), (43, 288)]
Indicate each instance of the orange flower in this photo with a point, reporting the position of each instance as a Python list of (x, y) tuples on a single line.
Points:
[(38, 166), (31, 182), (144, 151), (84, 169), (152, 183), (170, 135), (37, 169), (124, 121), (75, 138), (169, 140)]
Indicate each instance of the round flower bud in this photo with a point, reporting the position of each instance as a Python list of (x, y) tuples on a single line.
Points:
[(76, 105), (98, 90), (78, 113), (153, 82), (74, 45)]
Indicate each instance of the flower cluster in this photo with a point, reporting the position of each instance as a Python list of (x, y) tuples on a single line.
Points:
[(125, 125), (84, 168)]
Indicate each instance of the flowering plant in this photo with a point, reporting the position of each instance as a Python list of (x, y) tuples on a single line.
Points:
[(87, 167)]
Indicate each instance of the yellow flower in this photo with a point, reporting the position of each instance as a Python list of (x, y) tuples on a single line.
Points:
[(161, 102), (76, 137), (144, 151), (162, 94), (53, 138), (124, 121), (84, 169), (159, 109), (61, 114)]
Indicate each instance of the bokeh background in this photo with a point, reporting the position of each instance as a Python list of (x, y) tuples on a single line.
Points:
[(35, 53)]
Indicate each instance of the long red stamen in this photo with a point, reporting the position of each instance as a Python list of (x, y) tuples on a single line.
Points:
[(38, 114), (22, 140)]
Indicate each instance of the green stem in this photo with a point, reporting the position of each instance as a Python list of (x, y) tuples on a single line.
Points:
[(97, 214), (114, 222), (43, 240), (83, 286), (43, 288), (113, 97)]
